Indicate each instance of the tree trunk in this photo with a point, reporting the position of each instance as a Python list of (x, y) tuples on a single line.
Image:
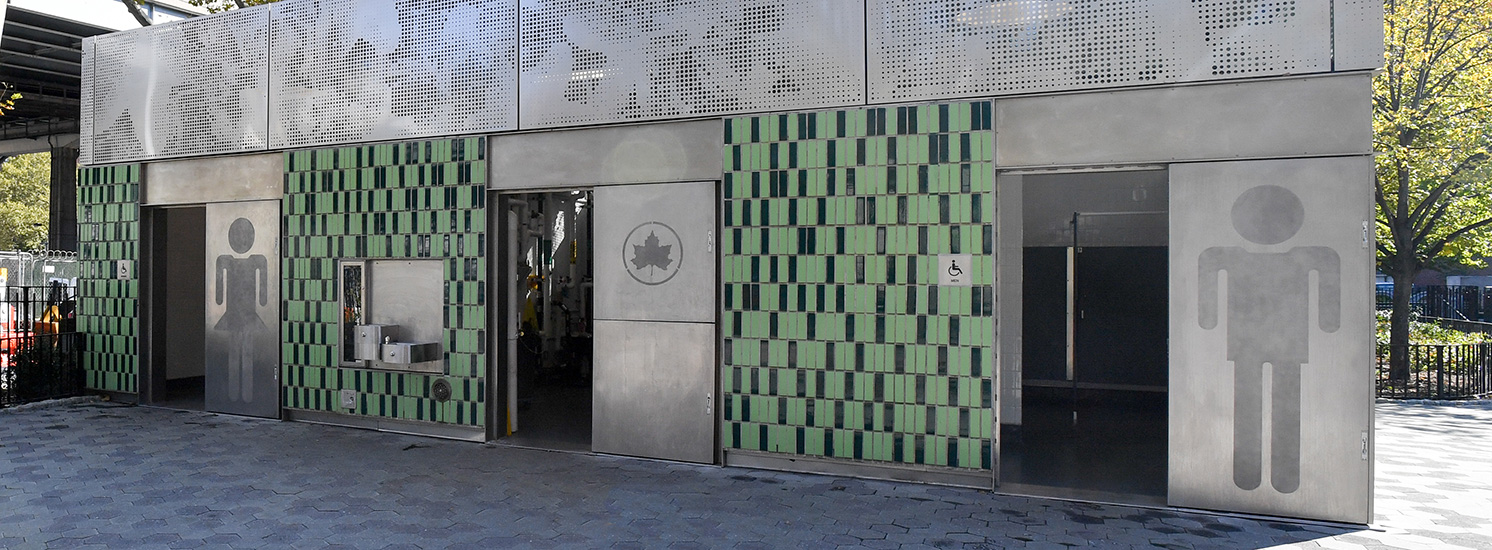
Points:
[(1398, 322)]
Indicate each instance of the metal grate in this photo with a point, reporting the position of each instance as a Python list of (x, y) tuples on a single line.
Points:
[(183, 88), (85, 107), (925, 49), (588, 62), (347, 71)]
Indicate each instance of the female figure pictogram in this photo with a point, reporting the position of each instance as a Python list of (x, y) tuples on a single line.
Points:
[(241, 284)]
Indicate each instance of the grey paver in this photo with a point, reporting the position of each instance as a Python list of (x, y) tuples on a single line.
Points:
[(121, 476)]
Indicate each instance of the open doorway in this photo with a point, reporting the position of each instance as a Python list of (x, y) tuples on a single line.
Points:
[(548, 289), (1093, 331), (178, 307)]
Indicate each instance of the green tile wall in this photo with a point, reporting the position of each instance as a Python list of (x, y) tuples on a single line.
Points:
[(108, 231), (422, 199), (839, 343)]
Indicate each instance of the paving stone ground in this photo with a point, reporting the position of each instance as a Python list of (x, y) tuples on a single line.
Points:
[(101, 475)]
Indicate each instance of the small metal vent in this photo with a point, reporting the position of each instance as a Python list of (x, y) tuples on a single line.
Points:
[(440, 390), (182, 88), (585, 62), (927, 49), (346, 71)]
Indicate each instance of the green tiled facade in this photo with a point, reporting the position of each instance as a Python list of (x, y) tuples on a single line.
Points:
[(412, 200), (108, 232), (839, 342)]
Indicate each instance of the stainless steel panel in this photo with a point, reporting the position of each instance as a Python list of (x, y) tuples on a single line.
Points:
[(85, 105), (405, 353), (243, 308), (221, 179), (653, 153), (411, 294), (926, 49), (585, 62), (655, 253), (1311, 116), (189, 87), (653, 388), (1009, 280), (1357, 29), (346, 71), (1270, 266)]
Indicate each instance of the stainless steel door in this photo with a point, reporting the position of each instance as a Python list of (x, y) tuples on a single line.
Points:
[(655, 321), (243, 308), (1271, 337)]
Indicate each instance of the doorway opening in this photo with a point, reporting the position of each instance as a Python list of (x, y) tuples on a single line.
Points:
[(548, 251), (178, 294), (1094, 309)]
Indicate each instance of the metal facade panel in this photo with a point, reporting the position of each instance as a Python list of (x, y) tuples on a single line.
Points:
[(654, 390), (1283, 118), (655, 255), (243, 308), (217, 179), (348, 71), (653, 153), (926, 49), (1272, 264), (586, 62), (1357, 29), (85, 106), (185, 88)]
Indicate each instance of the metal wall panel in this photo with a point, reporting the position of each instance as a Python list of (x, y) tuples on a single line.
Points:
[(655, 254), (653, 153), (654, 385), (925, 49), (1357, 29), (1287, 284), (1283, 118), (243, 308), (220, 179), (347, 71), (177, 89), (85, 107), (585, 62)]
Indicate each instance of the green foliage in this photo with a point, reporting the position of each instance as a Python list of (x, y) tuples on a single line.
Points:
[(216, 6), (25, 197), (1427, 333)]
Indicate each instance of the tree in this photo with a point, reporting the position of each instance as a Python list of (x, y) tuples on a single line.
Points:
[(1432, 119), (25, 193), (213, 6)]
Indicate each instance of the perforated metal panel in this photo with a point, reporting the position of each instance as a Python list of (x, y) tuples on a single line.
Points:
[(590, 62), (85, 107), (347, 71), (1357, 32), (184, 88), (924, 49)]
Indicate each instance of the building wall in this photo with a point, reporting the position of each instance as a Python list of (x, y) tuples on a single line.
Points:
[(377, 202), (109, 232), (838, 340)]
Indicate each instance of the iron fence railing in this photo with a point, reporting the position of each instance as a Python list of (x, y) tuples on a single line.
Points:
[(1472, 303), (1437, 371), (39, 345)]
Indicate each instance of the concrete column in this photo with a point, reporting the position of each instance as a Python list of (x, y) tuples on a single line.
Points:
[(62, 232)]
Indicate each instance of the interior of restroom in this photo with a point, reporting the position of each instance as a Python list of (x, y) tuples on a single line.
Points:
[(178, 293), (1093, 328), (548, 247)]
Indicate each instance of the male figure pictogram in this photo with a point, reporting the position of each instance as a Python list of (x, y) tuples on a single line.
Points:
[(1268, 322)]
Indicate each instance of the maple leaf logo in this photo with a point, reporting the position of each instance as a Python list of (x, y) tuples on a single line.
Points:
[(650, 253)]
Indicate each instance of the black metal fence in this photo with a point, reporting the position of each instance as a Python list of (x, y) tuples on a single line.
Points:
[(1472, 303), (1449, 371), (39, 344)]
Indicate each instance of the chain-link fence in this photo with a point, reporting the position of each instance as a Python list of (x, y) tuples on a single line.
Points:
[(38, 268)]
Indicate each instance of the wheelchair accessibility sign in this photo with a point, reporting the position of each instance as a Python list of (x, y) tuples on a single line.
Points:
[(955, 270)]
